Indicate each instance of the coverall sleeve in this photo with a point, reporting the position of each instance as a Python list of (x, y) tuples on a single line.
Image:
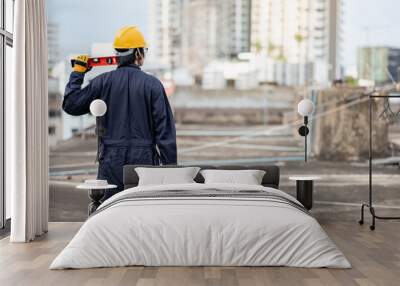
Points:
[(164, 125), (76, 99)]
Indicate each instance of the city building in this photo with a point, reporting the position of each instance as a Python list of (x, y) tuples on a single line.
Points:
[(220, 74), (378, 65), (200, 35), (53, 46), (303, 37), (55, 118), (217, 30), (55, 128), (165, 22), (233, 27)]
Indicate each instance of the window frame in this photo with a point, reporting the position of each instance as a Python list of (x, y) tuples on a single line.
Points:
[(6, 39)]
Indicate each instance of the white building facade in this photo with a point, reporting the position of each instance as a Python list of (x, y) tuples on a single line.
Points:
[(192, 33), (296, 42), (53, 44), (302, 33), (165, 29), (55, 121)]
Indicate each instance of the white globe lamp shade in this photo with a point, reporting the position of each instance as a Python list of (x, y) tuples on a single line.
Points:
[(98, 108), (305, 107)]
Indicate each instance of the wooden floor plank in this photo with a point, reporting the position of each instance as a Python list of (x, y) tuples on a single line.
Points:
[(375, 257)]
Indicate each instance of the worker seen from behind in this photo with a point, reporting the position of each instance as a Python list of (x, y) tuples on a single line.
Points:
[(139, 125)]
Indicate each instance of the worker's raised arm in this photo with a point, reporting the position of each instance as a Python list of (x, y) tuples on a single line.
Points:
[(76, 99), (164, 125)]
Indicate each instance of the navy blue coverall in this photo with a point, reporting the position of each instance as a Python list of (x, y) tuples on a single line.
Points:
[(138, 119)]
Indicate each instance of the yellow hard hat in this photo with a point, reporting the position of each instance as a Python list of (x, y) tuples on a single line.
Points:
[(129, 38)]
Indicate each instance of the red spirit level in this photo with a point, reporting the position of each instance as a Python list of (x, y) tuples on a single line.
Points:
[(99, 61)]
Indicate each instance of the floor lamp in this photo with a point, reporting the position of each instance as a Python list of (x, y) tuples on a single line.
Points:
[(305, 108)]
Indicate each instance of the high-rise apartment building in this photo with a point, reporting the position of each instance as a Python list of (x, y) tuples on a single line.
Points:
[(55, 117), (200, 35), (234, 26), (156, 30), (53, 44), (165, 27), (299, 32), (192, 33), (379, 65), (302, 37)]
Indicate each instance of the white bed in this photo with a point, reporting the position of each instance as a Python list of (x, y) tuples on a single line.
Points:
[(138, 227)]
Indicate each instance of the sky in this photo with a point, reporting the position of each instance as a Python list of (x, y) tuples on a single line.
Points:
[(83, 22)]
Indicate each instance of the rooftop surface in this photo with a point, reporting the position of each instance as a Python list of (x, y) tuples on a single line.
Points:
[(338, 195)]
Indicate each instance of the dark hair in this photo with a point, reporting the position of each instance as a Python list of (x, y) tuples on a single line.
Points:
[(131, 58)]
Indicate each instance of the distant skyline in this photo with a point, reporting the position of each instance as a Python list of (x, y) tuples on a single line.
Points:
[(80, 27), (382, 20)]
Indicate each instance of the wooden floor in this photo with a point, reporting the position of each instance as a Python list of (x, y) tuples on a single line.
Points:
[(375, 257)]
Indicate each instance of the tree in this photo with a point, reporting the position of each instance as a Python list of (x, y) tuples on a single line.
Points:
[(257, 45)]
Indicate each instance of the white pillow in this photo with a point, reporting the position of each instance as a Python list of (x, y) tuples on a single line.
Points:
[(247, 177), (166, 176)]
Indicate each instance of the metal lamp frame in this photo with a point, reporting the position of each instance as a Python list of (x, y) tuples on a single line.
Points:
[(304, 131), (369, 205)]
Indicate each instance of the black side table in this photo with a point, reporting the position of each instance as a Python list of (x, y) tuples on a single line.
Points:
[(304, 189), (96, 193)]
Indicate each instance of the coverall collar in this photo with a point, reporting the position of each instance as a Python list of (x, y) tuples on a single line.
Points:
[(131, 66)]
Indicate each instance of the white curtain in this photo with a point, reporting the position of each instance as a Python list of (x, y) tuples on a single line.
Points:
[(26, 124)]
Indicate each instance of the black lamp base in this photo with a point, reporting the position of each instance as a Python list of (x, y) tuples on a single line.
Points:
[(304, 131)]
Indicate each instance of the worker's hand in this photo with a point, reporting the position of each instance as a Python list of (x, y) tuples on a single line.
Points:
[(81, 63)]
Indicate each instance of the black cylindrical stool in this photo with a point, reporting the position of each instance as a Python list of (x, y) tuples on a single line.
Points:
[(304, 190)]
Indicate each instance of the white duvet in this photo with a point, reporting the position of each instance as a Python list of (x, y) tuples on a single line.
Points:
[(200, 231)]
